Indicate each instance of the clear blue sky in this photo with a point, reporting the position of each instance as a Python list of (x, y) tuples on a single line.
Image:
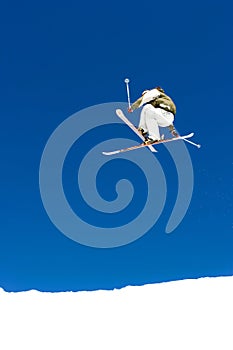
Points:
[(61, 57)]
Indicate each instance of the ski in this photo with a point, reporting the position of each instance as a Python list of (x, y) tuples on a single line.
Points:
[(143, 145), (121, 115)]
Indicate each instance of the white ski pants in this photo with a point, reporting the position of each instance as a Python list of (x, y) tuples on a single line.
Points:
[(151, 118)]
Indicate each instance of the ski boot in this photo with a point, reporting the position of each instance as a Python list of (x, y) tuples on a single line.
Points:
[(149, 141), (142, 132)]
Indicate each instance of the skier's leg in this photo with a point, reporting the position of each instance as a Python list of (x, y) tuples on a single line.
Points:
[(164, 118), (151, 122), (142, 122), (152, 118)]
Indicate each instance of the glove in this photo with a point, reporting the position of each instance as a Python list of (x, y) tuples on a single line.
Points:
[(173, 130)]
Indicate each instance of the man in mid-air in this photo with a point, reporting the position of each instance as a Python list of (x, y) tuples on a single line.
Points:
[(158, 111)]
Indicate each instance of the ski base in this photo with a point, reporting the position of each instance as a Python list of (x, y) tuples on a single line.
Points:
[(153, 144)]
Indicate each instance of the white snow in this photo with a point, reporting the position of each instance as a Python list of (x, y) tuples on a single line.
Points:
[(190, 314)]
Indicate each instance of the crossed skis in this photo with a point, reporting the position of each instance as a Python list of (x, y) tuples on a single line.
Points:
[(121, 115)]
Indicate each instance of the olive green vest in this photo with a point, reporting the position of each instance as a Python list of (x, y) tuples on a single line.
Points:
[(164, 102)]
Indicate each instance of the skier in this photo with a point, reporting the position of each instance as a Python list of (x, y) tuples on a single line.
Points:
[(159, 111)]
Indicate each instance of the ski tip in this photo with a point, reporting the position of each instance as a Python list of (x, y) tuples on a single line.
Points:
[(189, 135), (110, 153)]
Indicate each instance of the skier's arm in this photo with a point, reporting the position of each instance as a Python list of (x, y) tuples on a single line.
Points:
[(137, 103), (147, 97)]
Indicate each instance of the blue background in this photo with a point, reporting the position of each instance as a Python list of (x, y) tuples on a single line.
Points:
[(60, 57)]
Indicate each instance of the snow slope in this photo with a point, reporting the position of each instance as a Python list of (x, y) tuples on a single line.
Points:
[(189, 314)]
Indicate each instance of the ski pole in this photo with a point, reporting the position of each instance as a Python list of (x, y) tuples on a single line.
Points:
[(192, 143), (127, 89)]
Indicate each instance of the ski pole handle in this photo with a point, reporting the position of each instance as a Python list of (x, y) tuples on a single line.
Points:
[(127, 89)]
